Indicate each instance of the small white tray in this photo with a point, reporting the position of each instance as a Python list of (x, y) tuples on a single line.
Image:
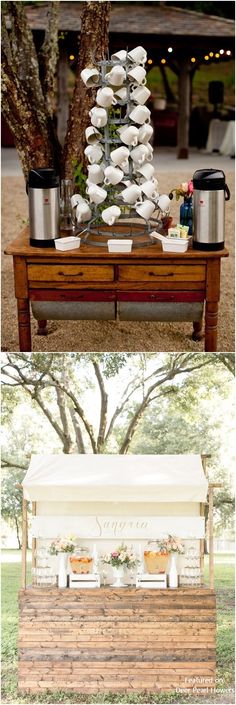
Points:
[(175, 244), (119, 245), (67, 243)]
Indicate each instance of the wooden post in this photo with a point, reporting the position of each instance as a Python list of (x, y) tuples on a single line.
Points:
[(24, 542), (210, 538), (204, 457), (33, 540), (63, 100), (184, 109)]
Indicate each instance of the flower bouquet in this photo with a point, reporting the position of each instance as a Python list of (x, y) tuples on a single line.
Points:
[(174, 545), (121, 557), (185, 190), (63, 545)]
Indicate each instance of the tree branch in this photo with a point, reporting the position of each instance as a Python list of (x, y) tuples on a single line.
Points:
[(104, 404), (48, 58)]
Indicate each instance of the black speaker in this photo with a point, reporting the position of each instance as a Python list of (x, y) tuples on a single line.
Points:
[(216, 92)]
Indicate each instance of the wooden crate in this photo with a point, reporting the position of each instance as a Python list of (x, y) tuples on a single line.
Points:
[(119, 640)]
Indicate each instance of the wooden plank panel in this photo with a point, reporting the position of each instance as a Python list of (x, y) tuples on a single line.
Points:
[(118, 640)]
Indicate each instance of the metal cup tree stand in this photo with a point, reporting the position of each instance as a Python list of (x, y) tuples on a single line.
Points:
[(111, 139)]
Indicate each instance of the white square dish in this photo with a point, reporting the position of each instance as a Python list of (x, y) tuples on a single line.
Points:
[(174, 244), (119, 245), (67, 243)]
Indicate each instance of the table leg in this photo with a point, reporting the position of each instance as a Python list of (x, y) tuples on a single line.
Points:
[(197, 333), (211, 320), (24, 325), (42, 328)]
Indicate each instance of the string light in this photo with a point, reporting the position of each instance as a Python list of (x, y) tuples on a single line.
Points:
[(228, 52), (71, 57), (150, 61), (193, 60), (206, 57), (163, 61), (170, 49), (217, 56), (211, 54), (222, 51)]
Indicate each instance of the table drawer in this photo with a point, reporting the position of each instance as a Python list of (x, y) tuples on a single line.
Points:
[(70, 273), (162, 272)]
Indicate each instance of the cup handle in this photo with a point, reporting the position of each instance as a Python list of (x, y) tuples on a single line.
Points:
[(114, 101), (106, 181), (135, 142), (111, 220)]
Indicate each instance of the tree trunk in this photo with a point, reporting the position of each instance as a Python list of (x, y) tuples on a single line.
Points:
[(63, 101), (93, 47), (170, 97), (18, 532), (184, 109), (24, 102)]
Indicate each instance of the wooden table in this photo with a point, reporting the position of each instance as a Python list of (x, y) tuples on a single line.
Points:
[(90, 273), (120, 640)]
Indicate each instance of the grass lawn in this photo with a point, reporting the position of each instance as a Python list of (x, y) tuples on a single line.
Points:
[(224, 584)]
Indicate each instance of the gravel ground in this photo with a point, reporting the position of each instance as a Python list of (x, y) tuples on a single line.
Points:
[(109, 335)]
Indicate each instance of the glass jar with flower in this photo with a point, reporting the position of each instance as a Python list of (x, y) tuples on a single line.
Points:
[(61, 547), (119, 559), (185, 190)]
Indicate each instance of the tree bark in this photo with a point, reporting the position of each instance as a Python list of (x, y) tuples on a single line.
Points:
[(103, 410), (24, 105), (93, 47), (18, 532)]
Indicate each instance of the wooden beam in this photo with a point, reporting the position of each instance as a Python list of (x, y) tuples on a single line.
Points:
[(202, 544), (33, 539), (24, 542), (210, 538)]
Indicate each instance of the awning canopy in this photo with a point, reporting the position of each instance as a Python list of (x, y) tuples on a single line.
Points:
[(115, 478)]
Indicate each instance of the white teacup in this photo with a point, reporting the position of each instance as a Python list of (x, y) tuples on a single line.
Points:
[(138, 55), (145, 133), (119, 56), (150, 152), (140, 94), (116, 76), (83, 212), (163, 202), (90, 76), (121, 94), (139, 154), (105, 97), (94, 153), (129, 135), (96, 193), (150, 190), (137, 75), (140, 114), (131, 193), (120, 156), (75, 199), (145, 209), (113, 175), (110, 215), (146, 171), (98, 117), (95, 173), (92, 135)]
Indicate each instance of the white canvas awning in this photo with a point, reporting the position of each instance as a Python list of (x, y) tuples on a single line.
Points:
[(113, 478)]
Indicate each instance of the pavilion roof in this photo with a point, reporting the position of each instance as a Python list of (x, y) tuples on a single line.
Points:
[(139, 18)]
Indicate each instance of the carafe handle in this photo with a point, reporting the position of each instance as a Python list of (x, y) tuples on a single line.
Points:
[(227, 193)]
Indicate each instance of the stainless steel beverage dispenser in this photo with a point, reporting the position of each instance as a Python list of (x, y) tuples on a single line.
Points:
[(44, 206), (209, 195)]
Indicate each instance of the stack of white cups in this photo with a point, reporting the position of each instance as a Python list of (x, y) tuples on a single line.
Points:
[(128, 175)]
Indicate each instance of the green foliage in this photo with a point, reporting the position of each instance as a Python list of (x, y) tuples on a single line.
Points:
[(79, 178)]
